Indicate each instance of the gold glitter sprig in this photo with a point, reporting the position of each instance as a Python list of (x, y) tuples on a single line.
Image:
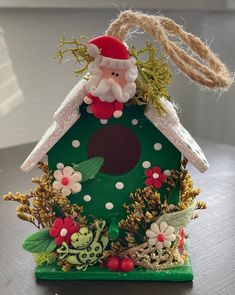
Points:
[(147, 256)]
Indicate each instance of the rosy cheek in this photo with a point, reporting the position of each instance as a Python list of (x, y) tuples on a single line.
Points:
[(121, 80), (106, 75)]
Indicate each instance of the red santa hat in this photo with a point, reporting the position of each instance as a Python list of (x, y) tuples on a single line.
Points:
[(109, 52)]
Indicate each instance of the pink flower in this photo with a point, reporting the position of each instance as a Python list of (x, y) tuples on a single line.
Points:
[(67, 181), (62, 230), (155, 177)]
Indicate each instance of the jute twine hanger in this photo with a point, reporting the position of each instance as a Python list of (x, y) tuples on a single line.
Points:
[(207, 69)]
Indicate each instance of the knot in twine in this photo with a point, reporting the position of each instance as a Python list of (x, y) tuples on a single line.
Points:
[(205, 67)]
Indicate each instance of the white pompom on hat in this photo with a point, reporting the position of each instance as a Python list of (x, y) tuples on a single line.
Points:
[(109, 52)]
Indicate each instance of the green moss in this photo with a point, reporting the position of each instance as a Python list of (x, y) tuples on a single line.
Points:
[(154, 76), (77, 49), (41, 258)]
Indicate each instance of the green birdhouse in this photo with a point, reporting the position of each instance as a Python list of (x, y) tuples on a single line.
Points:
[(115, 198)]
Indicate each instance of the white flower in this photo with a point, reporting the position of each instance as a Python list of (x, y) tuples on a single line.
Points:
[(67, 181), (161, 236)]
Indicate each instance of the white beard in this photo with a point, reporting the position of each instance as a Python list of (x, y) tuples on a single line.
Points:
[(108, 90)]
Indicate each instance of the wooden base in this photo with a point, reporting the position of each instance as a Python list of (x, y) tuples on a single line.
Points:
[(53, 272)]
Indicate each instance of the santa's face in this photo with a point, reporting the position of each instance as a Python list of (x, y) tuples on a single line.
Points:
[(109, 84), (117, 75)]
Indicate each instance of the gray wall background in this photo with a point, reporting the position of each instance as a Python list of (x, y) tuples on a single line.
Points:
[(32, 36)]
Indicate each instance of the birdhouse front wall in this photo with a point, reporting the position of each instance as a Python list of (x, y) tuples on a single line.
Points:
[(129, 146)]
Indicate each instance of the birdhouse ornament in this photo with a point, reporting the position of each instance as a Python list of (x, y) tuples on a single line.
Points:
[(115, 198)]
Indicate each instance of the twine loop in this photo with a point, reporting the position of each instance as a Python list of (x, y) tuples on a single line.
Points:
[(201, 64)]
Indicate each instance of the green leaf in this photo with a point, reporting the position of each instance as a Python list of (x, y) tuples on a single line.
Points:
[(89, 168), (40, 242), (178, 219)]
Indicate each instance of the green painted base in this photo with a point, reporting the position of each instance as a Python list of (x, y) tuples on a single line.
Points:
[(53, 272)]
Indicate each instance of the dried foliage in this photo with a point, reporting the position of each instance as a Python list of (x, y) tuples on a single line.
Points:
[(172, 179), (188, 192), (201, 205), (144, 208), (65, 266), (153, 77), (171, 182), (115, 249), (43, 204), (195, 215)]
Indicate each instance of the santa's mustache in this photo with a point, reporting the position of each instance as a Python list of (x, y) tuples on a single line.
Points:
[(102, 88), (107, 86)]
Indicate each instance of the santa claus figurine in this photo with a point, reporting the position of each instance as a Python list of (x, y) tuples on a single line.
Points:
[(113, 74)]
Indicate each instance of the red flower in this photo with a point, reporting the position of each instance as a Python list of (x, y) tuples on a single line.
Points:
[(155, 177), (182, 240), (62, 230)]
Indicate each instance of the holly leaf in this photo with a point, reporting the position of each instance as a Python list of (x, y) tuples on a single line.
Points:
[(39, 242), (178, 219), (89, 168)]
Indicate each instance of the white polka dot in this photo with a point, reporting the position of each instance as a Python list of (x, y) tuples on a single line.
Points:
[(88, 109), (60, 166), (157, 146), (103, 121), (146, 164), (87, 198), (171, 207), (119, 185), (109, 206), (134, 122), (75, 143), (167, 173)]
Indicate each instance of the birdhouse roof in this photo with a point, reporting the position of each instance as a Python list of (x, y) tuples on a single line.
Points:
[(68, 113)]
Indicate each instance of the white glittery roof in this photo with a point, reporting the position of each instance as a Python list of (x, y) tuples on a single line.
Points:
[(64, 118), (68, 114), (171, 127)]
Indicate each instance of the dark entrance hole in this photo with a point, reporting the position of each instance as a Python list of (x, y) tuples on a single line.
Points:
[(119, 147)]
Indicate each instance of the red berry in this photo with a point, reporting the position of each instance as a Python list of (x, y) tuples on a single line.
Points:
[(113, 263), (126, 264)]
